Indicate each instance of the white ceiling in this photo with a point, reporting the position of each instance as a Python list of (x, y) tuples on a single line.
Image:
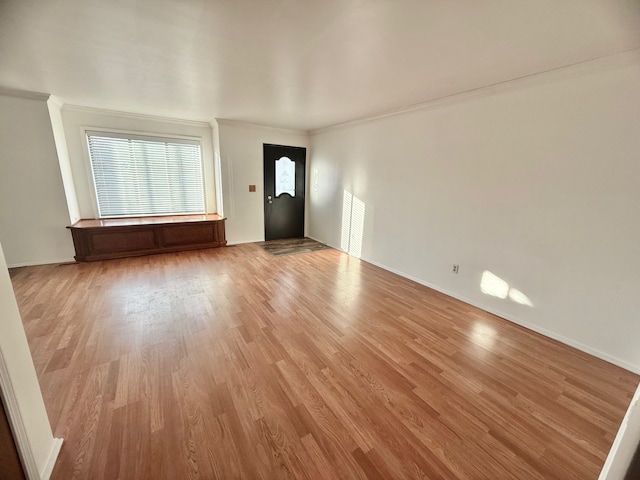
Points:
[(294, 63)]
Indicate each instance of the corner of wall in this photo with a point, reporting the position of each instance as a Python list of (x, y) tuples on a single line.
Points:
[(20, 389), (625, 443), (33, 207), (217, 164), (241, 162), (55, 113)]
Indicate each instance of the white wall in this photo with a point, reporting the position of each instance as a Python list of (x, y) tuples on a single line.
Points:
[(33, 208), (20, 388), (76, 119), (55, 113), (241, 156), (536, 181)]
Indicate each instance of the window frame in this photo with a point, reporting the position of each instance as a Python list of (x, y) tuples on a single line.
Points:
[(141, 135)]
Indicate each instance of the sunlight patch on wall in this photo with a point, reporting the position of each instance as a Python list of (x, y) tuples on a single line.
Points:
[(519, 297), (353, 215), (495, 286), (357, 227), (347, 200)]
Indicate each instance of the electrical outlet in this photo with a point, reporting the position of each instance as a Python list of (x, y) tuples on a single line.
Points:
[(455, 269)]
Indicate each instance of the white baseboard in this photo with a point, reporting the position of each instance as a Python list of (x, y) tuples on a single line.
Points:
[(322, 241), (47, 468), (535, 328), (530, 326), (40, 262), (241, 242)]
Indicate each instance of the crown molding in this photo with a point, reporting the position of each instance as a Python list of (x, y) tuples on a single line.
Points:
[(136, 116), (237, 123), (56, 101), (594, 64), (14, 92)]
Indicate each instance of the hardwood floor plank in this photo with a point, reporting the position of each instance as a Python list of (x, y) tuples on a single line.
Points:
[(233, 363)]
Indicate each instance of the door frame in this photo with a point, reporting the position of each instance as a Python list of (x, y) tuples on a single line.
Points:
[(19, 359), (304, 184)]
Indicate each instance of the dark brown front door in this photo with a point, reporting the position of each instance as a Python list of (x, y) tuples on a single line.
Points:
[(284, 191)]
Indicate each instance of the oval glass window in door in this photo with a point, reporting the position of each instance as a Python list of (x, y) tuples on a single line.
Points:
[(285, 177)]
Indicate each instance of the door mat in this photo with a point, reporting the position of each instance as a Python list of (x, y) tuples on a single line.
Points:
[(291, 246)]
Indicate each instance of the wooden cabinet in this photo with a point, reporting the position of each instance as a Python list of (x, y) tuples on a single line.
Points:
[(129, 237)]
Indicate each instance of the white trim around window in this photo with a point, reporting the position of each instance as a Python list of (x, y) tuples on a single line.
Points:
[(145, 174)]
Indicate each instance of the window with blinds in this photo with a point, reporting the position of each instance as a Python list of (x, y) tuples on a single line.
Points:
[(144, 176)]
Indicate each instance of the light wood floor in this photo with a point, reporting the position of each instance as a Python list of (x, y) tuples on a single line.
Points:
[(232, 363)]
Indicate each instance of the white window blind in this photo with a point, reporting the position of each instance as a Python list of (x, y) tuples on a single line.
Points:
[(138, 176)]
